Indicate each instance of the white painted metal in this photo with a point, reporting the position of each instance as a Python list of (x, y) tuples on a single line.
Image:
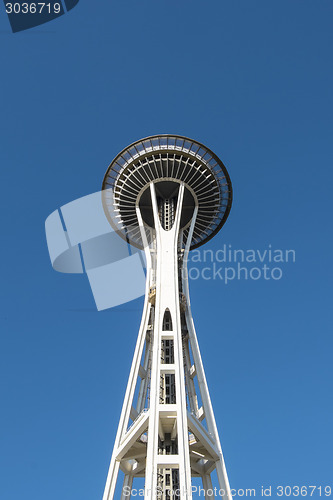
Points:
[(167, 297), (140, 447)]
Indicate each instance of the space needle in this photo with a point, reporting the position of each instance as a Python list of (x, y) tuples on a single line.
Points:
[(167, 195)]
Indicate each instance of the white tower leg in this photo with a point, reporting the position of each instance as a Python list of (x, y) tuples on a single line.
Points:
[(208, 487)]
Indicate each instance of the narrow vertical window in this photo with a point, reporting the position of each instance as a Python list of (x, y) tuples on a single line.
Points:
[(167, 321), (167, 352)]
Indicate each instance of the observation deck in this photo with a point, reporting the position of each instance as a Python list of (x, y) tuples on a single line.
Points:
[(167, 161)]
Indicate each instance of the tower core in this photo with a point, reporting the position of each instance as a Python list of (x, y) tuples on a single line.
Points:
[(167, 195)]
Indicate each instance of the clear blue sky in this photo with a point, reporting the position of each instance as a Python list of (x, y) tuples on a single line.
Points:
[(251, 79)]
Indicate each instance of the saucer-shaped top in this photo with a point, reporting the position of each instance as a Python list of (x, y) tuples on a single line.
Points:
[(167, 160)]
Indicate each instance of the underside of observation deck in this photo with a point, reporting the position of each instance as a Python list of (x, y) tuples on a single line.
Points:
[(161, 159)]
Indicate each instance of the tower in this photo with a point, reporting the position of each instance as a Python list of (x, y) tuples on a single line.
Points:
[(167, 195)]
